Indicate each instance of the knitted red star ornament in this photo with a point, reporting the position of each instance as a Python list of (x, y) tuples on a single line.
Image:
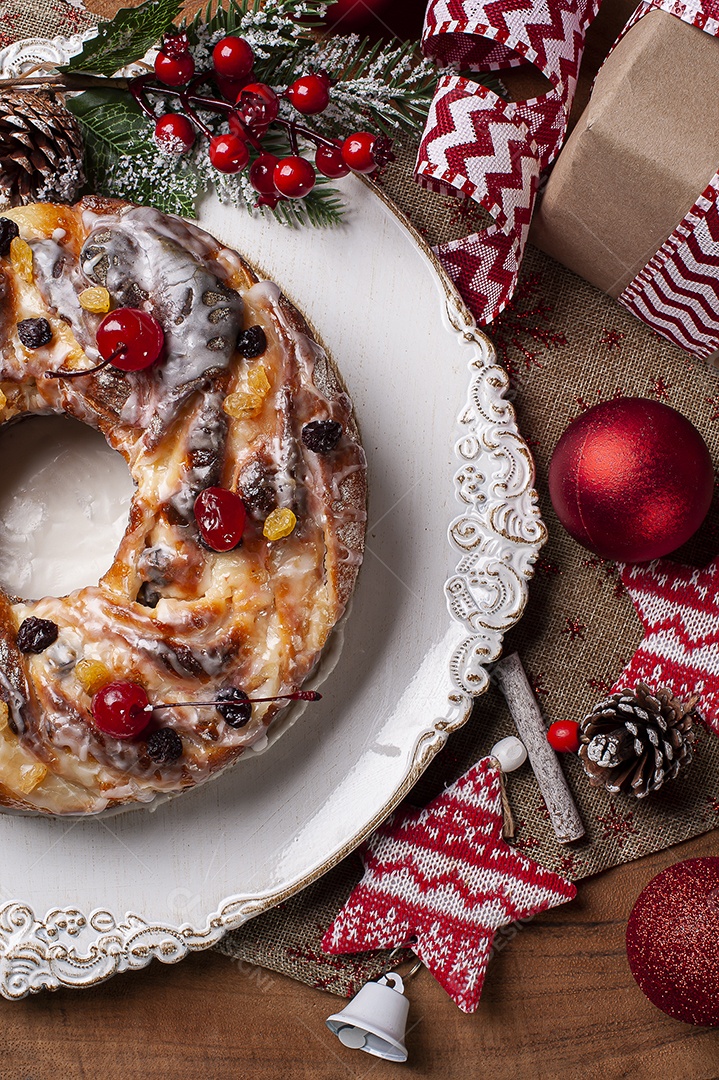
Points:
[(443, 880), (679, 608)]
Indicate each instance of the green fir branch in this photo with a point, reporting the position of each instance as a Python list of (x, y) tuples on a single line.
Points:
[(121, 158), (375, 86), (386, 86), (323, 208), (126, 38)]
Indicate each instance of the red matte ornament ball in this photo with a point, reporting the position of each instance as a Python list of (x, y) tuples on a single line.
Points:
[(349, 15), (174, 70), (563, 736), (228, 153), (120, 709), (631, 479), (673, 941), (232, 57)]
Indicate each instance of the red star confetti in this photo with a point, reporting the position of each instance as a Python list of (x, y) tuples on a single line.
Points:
[(679, 609), (442, 881)]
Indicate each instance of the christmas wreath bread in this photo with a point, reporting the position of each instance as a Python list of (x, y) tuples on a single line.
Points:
[(246, 528)]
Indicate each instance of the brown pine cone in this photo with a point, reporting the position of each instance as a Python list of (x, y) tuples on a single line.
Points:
[(635, 741), (40, 149)]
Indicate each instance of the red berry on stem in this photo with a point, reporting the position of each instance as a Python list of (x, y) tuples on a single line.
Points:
[(294, 177), (130, 339), (120, 709), (233, 57), (175, 44), (174, 133), (174, 70), (309, 95), (261, 174), (230, 88), (228, 153), (257, 107), (358, 152), (220, 515), (329, 161), (563, 736)]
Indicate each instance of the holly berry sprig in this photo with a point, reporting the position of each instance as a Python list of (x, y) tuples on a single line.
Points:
[(251, 109), (324, 88)]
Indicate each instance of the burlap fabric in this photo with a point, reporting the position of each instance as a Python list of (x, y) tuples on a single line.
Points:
[(566, 346)]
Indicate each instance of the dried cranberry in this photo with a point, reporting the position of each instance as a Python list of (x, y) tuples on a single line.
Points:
[(252, 342), (34, 333), (321, 436), (238, 713), (164, 746), (35, 635), (8, 232)]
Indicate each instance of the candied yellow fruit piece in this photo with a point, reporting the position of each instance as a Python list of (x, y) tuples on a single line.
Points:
[(95, 299), (21, 258), (4, 715), (92, 675), (279, 523), (242, 406), (39, 220), (258, 381), (28, 776), (3, 401)]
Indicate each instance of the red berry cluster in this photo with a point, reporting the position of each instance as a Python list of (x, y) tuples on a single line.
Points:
[(251, 108)]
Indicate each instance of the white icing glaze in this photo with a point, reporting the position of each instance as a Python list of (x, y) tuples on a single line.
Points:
[(257, 616)]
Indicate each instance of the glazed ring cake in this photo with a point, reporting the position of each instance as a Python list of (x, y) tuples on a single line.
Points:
[(240, 399)]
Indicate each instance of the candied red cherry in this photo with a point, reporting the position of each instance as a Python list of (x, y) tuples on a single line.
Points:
[(294, 177), (121, 709), (228, 153), (358, 152), (329, 161), (309, 95), (174, 70), (563, 736), (174, 133), (220, 515), (130, 339), (232, 57), (257, 106), (261, 174)]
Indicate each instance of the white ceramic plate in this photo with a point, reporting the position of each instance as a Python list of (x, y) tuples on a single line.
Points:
[(85, 898)]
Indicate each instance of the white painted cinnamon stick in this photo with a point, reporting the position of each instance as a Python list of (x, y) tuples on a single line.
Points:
[(527, 716)]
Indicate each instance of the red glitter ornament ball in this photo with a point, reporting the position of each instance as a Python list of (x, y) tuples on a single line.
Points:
[(673, 941), (631, 479)]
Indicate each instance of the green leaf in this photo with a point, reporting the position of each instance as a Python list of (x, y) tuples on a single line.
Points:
[(121, 158), (126, 38)]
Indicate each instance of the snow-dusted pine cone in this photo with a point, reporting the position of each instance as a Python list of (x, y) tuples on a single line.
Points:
[(636, 740), (40, 149)]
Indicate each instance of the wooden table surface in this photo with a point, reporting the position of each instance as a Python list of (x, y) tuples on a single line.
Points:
[(559, 999), (559, 1002)]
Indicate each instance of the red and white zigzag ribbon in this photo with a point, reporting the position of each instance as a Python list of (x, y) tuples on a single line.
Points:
[(490, 150), (493, 151), (677, 292)]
